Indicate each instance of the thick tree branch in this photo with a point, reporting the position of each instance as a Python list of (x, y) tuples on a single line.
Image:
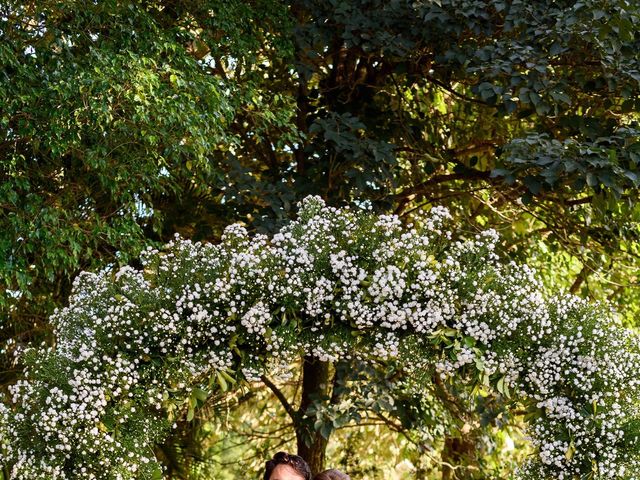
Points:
[(422, 187), (579, 201)]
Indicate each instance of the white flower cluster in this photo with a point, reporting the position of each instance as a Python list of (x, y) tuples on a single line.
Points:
[(256, 319), (133, 346)]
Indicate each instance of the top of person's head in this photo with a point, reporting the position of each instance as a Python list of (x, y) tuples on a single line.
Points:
[(332, 475), (296, 463)]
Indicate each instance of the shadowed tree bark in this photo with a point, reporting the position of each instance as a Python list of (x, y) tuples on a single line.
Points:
[(315, 383)]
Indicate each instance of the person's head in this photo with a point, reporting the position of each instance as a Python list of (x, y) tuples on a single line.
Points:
[(332, 475), (284, 466)]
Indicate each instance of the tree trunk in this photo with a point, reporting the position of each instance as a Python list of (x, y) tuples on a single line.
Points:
[(456, 452), (314, 454), (312, 445)]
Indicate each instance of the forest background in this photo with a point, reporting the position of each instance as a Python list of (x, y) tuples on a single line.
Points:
[(122, 123)]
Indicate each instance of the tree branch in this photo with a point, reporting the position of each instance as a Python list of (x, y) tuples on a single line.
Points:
[(579, 201), (577, 283), (449, 89), (281, 398), (469, 174)]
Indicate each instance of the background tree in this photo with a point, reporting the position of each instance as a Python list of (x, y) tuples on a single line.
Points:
[(124, 123), (109, 120)]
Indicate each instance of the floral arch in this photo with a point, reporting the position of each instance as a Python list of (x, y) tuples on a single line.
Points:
[(136, 347)]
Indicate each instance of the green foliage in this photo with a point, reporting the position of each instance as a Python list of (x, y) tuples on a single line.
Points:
[(111, 113), (125, 123)]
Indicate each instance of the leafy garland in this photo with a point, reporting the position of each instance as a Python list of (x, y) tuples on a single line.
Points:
[(137, 348)]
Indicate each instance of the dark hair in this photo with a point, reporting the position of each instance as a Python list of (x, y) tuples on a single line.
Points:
[(332, 475), (294, 461)]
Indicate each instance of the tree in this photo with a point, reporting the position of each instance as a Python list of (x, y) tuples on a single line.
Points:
[(109, 120)]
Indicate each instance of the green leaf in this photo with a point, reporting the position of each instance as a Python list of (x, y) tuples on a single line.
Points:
[(571, 450), (222, 381), (534, 186), (592, 179), (200, 394)]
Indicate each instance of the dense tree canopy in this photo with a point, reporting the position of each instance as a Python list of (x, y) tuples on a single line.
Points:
[(108, 125), (122, 123), (234, 110)]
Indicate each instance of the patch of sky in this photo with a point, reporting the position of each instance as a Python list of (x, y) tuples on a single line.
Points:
[(142, 210)]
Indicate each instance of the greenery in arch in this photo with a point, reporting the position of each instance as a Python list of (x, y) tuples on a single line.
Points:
[(136, 349)]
